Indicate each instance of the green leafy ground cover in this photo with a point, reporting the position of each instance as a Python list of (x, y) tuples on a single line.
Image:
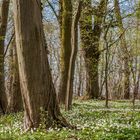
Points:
[(93, 121)]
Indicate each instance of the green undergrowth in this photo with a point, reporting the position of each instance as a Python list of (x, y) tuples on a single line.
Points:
[(94, 122)]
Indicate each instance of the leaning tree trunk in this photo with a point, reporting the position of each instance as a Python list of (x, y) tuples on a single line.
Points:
[(65, 48), (3, 26), (14, 96), (90, 37), (37, 88), (125, 51)]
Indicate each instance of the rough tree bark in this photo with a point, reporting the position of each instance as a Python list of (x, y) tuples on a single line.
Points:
[(65, 48), (90, 37), (3, 26), (37, 88)]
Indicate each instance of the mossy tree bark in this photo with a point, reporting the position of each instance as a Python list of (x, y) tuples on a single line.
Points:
[(65, 48), (90, 37), (3, 26), (35, 77)]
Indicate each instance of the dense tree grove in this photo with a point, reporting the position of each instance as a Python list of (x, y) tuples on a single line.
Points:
[(56, 54)]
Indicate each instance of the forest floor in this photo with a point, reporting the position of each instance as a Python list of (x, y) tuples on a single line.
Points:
[(94, 122)]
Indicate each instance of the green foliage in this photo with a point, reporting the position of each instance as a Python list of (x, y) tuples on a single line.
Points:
[(93, 121)]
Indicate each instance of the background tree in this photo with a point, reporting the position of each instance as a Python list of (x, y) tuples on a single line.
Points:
[(124, 50), (90, 36), (3, 26), (14, 91)]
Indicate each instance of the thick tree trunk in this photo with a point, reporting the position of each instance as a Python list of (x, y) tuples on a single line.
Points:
[(90, 37), (69, 91), (3, 26), (125, 51), (14, 96), (65, 48), (37, 88)]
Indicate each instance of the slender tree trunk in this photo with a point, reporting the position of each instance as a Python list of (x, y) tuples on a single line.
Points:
[(60, 17), (125, 51), (14, 97), (80, 76), (37, 88), (65, 48), (69, 94), (136, 89), (106, 66), (90, 37), (3, 26)]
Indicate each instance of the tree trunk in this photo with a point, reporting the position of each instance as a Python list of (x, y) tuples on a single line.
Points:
[(60, 17), (14, 96), (136, 71), (136, 89), (3, 26), (65, 48), (37, 88), (69, 93), (90, 37), (125, 51), (79, 64)]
